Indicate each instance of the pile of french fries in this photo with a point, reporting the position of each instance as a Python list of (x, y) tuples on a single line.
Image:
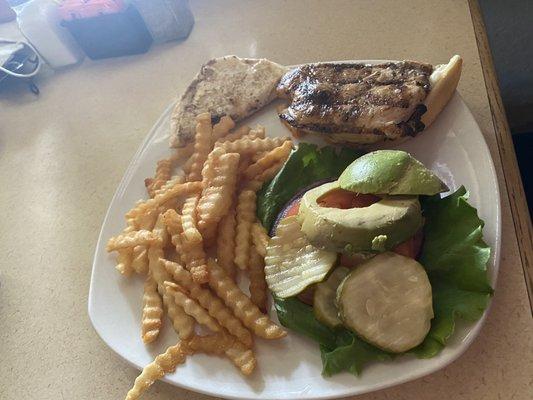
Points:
[(192, 238)]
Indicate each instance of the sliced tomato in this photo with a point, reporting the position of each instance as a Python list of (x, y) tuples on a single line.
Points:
[(352, 260), (344, 199), (308, 295), (364, 200), (412, 246), (293, 209), (339, 198)]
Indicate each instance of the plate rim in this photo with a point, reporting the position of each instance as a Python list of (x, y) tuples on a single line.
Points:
[(340, 392)]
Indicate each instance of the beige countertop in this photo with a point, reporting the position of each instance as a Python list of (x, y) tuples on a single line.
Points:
[(63, 154)]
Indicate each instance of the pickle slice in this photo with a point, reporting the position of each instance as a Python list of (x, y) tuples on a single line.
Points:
[(387, 302), (324, 306), (292, 263)]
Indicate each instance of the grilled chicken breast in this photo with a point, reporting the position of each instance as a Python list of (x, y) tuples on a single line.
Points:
[(362, 103), (224, 86)]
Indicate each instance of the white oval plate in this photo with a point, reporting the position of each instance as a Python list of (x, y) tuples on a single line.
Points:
[(290, 368)]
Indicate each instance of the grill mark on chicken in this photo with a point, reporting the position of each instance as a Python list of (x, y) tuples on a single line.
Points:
[(383, 99)]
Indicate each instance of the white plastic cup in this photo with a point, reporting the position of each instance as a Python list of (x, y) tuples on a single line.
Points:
[(40, 23)]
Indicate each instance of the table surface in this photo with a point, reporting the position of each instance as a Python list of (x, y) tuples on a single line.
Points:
[(64, 153)]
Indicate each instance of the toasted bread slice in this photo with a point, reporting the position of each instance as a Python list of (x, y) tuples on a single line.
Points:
[(224, 86)]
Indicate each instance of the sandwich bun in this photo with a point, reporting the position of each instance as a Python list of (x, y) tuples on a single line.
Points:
[(444, 80)]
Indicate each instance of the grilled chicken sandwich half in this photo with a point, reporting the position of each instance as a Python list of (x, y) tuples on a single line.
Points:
[(358, 104)]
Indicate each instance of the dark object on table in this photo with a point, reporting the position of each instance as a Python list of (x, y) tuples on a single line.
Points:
[(509, 32), (111, 35), (23, 63), (508, 25), (523, 143)]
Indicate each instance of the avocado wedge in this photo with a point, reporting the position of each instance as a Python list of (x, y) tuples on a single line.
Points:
[(392, 172), (378, 227), (387, 302)]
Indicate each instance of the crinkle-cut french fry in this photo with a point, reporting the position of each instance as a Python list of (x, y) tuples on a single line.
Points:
[(140, 259), (226, 243), (147, 220), (245, 162), (209, 235), (246, 206), (242, 357), (189, 219), (140, 253), (194, 257), (158, 271), (124, 260), (222, 343), (187, 165), (258, 286), (252, 146), (172, 255), (237, 134), (208, 171), (174, 188), (172, 220), (242, 306), (222, 128), (178, 190), (257, 183), (214, 306), (131, 239), (217, 197), (216, 343), (257, 156), (173, 181), (244, 132), (192, 254), (260, 238), (202, 146), (182, 154), (152, 311), (163, 173), (257, 133), (172, 204), (271, 158), (191, 307), (183, 324), (131, 225), (163, 364)]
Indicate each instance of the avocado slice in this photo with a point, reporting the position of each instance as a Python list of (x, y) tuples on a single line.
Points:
[(378, 227), (393, 172), (387, 302)]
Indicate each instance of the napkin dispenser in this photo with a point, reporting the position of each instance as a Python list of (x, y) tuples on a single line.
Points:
[(106, 28)]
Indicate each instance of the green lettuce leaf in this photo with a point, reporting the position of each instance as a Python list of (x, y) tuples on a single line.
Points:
[(455, 257), (454, 249), (351, 354), (306, 165), (299, 317), (340, 349)]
